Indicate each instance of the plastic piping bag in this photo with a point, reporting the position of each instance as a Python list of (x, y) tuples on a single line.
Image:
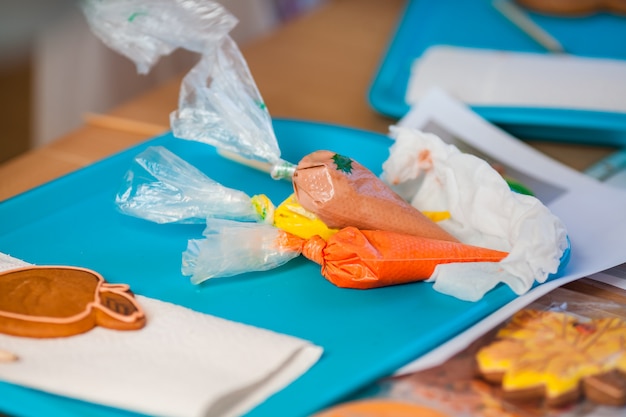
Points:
[(232, 248), (350, 258), (163, 188), (219, 103)]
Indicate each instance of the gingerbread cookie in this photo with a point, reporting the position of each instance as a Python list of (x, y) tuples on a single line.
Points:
[(552, 355), (58, 301)]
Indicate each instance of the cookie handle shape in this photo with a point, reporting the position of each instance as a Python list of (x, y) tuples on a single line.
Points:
[(116, 308)]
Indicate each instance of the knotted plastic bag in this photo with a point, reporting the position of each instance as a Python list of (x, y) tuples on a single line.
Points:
[(163, 188), (231, 248), (219, 103)]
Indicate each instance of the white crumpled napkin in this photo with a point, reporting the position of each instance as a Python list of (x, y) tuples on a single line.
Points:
[(437, 176), (183, 363)]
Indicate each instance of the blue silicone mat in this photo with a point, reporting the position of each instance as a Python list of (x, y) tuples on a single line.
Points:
[(366, 334), (477, 24)]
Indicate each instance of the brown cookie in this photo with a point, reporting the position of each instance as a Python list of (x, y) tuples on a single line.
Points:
[(58, 301)]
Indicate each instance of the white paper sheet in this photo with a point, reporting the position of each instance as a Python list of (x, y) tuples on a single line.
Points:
[(594, 213), (520, 79)]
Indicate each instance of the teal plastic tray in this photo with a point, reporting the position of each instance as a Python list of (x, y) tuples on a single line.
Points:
[(366, 334), (475, 23)]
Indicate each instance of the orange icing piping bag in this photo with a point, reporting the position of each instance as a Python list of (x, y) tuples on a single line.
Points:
[(362, 259)]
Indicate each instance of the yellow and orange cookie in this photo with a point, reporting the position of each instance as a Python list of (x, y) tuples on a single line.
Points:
[(556, 356), (58, 301)]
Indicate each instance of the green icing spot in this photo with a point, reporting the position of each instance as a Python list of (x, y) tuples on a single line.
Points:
[(343, 163), (518, 187), (133, 16)]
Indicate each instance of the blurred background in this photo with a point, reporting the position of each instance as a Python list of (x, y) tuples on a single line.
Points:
[(53, 70)]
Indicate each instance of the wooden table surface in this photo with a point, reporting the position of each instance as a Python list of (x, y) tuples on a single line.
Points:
[(318, 67)]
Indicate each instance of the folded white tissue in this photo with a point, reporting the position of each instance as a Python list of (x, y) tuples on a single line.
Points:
[(183, 363), (437, 176)]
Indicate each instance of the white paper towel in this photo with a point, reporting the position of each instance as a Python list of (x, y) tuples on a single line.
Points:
[(436, 176), (183, 363)]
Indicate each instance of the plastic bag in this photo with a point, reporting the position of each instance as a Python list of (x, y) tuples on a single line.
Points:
[(145, 30), (349, 258), (163, 188), (231, 248), (219, 103)]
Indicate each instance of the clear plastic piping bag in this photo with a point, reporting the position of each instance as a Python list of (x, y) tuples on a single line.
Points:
[(219, 103), (145, 30), (163, 188), (231, 248)]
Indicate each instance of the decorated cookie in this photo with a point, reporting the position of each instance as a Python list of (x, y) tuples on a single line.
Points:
[(58, 301), (553, 355)]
